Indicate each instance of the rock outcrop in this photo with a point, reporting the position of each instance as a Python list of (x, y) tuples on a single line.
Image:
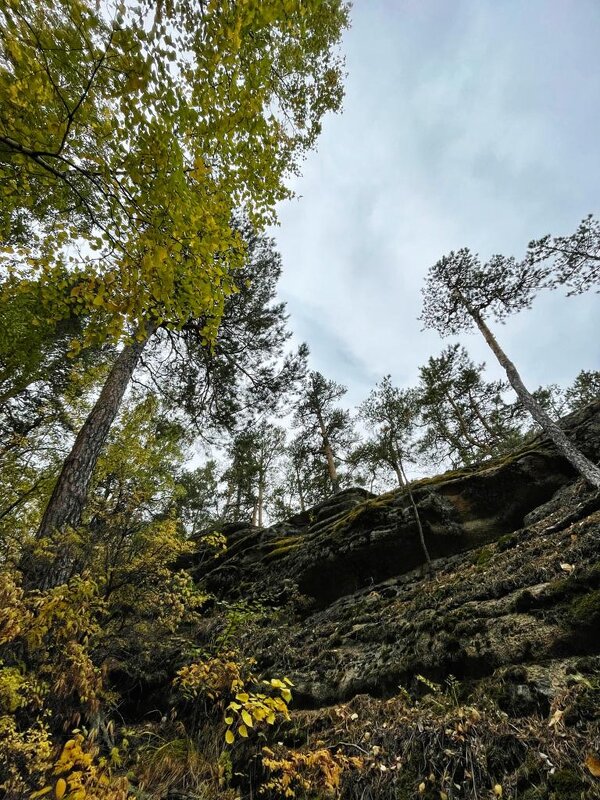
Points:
[(494, 655)]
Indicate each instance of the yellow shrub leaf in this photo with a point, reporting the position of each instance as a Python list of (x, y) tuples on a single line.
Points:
[(60, 788), (243, 731), (229, 737), (247, 718)]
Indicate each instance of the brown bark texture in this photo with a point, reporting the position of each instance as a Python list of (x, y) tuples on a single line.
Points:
[(66, 504)]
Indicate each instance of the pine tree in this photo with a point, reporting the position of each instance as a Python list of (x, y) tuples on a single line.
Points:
[(466, 417), (325, 427), (585, 389), (461, 293), (572, 261), (391, 415)]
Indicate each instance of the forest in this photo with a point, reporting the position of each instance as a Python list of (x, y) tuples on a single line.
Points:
[(153, 404)]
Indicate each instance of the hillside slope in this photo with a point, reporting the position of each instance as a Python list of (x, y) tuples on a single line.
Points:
[(482, 676)]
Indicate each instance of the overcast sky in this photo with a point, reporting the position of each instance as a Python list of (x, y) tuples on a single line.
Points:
[(466, 123)]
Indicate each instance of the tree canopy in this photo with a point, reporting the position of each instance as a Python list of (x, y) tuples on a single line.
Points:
[(461, 293), (130, 133)]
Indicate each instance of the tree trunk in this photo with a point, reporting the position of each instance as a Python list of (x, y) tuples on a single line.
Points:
[(462, 424), (300, 492), (396, 469), (228, 498), (333, 475), (67, 501), (417, 517), (583, 465), (260, 501), (475, 408)]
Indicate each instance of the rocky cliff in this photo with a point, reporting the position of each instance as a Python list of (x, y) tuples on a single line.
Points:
[(477, 678)]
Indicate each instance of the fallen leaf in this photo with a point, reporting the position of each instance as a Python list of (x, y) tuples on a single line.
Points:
[(592, 762), (555, 718)]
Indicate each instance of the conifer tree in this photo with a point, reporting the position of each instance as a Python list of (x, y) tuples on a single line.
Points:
[(466, 417), (253, 454), (326, 427), (461, 293), (571, 261), (200, 501), (391, 415), (585, 389)]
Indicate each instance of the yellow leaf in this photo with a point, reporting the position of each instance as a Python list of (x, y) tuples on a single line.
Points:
[(592, 762), (243, 731), (229, 720), (247, 718), (229, 737), (422, 787), (60, 788), (242, 697), (498, 790), (40, 793)]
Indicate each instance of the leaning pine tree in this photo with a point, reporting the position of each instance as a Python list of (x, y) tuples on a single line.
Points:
[(461, 293)]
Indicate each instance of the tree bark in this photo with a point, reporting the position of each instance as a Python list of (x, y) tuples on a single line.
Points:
[(462, 424), (333, 475), (417, 517), (300, 492), (583, 465), (475, 408), (260, 501), (396, 469), (67, 501)]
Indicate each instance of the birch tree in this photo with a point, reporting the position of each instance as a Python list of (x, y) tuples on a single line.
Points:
[(129, 134)]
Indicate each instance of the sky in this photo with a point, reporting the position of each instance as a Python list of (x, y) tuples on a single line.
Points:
[(466, 123)]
